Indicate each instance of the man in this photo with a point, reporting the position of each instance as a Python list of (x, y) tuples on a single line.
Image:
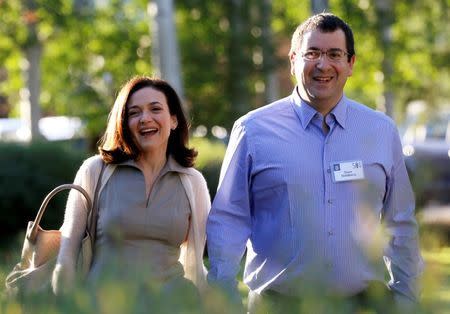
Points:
[(315, 187)]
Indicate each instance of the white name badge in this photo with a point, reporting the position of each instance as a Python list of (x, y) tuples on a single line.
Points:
[(347, 170)]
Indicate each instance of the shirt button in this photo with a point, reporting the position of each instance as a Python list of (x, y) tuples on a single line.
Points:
[(330, 201), (330, 233), (329, 265), (329, 170)]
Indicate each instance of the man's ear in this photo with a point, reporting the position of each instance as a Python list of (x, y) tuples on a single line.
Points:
[(350, 65), (292, 59)]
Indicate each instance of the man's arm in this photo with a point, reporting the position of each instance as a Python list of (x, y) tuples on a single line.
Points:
[(229, 223), (403, 257)]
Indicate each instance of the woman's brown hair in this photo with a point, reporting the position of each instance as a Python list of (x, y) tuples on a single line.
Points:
[(117, 144)]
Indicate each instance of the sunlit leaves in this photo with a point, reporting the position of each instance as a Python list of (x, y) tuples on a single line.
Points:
[(88, 51)]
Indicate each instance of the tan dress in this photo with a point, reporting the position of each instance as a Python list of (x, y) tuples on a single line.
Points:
[(145, 251), (139, 237)]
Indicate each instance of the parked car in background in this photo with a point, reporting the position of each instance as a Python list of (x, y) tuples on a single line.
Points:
[(57, 128), (426, 147)]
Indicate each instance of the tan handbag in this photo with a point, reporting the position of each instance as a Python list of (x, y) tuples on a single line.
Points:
[(40, 249)]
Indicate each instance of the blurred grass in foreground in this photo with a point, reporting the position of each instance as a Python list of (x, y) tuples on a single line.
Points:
[(116, 298)]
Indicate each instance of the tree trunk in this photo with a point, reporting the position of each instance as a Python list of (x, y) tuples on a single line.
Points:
[(30, 107), (238, 65), (385, 18), (269, 66), (165, 52), (319, 6), (33, 77), (83, 6)]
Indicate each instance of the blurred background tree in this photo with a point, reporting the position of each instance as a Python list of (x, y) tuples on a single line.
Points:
[(88, 49), (233, 53)]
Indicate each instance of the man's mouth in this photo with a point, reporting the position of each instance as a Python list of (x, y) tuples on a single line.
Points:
[(323, 79)]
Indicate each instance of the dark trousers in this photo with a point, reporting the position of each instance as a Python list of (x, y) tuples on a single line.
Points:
[(376, 298)]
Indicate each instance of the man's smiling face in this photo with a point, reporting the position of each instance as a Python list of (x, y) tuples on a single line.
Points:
[(321, 82)]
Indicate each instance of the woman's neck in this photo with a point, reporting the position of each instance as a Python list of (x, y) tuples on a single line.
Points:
[(151, 165), (152, 162)]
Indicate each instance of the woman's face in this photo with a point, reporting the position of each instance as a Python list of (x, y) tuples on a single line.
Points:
[(149, 120)]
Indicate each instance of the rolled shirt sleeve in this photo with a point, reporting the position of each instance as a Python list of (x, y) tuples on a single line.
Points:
[(402, 256), (229, 223)]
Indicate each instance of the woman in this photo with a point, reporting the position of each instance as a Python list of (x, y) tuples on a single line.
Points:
[(152, 204)]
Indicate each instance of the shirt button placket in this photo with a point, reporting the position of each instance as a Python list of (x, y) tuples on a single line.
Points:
[(329, 221)]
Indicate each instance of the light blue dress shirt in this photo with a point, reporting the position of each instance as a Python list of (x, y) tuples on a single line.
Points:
[(277, 198)]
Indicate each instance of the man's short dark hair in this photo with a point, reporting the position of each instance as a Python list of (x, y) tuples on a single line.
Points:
[(325, 22)]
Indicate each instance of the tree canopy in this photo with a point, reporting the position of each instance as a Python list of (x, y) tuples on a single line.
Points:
[(91, 47)]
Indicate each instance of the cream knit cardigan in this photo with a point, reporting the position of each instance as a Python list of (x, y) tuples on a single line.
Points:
[(75, 220)]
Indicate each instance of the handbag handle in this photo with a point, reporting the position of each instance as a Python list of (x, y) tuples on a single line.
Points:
[(32, 233)]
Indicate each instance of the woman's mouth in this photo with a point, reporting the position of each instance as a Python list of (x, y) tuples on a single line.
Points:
[(148, 131)]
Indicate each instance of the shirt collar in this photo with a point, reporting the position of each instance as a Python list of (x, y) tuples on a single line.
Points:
[(340, 111), (306, 113), (171, 165)]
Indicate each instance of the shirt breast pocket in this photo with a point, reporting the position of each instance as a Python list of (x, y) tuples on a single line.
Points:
[(374, 183)]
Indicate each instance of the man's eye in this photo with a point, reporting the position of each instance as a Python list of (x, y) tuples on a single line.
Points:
[(335, 54), (312, 54)]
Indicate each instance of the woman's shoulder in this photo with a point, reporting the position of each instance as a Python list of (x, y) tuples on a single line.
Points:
[(194, 174), (190, 172), (196, 182), (92, 162), (91, 166)]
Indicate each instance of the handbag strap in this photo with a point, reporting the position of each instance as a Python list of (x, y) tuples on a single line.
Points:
[(93, 215), (32, 233)]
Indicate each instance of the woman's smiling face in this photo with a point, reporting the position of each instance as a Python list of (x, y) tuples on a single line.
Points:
[(149, 120)]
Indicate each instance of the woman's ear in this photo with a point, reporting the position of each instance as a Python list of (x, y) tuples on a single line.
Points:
[(173, 122)]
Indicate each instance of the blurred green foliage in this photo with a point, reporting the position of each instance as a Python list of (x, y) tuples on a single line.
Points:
[(91, 47), (209, 160), (28, 173), (31, 171), (114, 297)]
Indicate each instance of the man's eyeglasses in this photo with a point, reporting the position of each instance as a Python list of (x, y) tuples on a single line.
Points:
[(334, 55)]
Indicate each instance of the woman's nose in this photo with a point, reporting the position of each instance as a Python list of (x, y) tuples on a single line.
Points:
[(146, 116)]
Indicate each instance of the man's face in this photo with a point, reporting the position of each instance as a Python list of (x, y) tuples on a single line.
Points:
[(321, 82)]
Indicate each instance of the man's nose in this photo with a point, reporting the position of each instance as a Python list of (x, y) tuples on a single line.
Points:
[(323, 61)]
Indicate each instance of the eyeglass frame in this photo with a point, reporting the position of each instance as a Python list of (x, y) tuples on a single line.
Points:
[(326, 52)]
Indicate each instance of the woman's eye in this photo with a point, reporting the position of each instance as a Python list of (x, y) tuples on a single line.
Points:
[(132, 113)]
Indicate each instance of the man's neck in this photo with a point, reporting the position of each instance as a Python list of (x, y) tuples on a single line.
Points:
[(322, 108)]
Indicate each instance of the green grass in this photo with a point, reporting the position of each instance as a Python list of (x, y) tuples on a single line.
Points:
[(435, 286), (436, 279), (208, 151)]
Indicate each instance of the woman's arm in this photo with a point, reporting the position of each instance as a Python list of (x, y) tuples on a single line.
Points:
[(74, 226)]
